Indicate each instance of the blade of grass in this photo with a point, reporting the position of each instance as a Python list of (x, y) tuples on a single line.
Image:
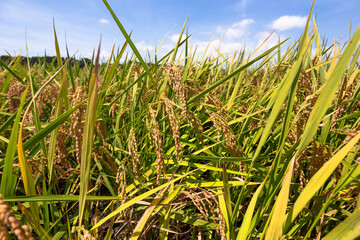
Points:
[(8, 178), (245, 226), (50, 127), (59, 198), (128, 39), (35, 112), (11, 71), (347, 229), (318, 180), (226, 187), (27, 178), (62, 98), (11, 119), (20, 68), (178, 42), (222, 205), (139, 198), (88, 139), (327, 95), (145, 217), (276, 220), (32, 220), (233, 74), (343, 182)]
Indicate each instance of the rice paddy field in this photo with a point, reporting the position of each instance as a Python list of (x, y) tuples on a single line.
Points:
[(255, 145)]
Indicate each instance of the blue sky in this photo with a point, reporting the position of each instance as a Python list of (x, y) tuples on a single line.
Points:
[(239, 22)]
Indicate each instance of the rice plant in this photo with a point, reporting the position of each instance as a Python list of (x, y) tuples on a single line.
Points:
[(258, 147)]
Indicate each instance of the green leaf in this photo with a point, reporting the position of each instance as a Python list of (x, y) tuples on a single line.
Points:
[(49, 128), (7, 178), (328, 92), (347, 229), (128, 39), (233, 74), (318, 181), (145, 217), (62, 98), (88, 139), (139, 198), (26, 174)]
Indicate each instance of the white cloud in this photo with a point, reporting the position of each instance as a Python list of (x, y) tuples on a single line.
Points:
[(288, 22), (235, 37), (103, 21), (143, 46), (104, 54), (226, 47), (272, 39), (237, 30), (167, 47), (175, 37), (229, 47)]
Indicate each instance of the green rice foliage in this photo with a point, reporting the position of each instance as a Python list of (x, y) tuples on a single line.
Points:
[(167, 147)]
